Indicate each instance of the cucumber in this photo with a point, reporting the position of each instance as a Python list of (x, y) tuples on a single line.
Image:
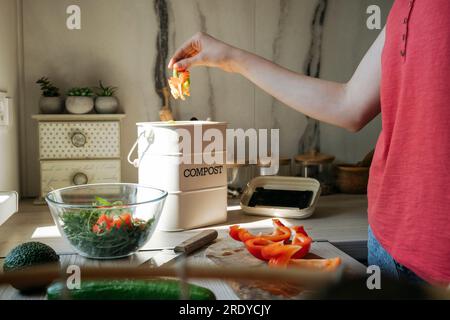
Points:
[(128, 290)]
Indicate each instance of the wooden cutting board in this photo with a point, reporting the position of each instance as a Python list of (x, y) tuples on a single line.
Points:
[(227, 252)]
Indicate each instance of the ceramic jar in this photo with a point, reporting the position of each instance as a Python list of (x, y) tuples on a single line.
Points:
[(51, 105), (79, 105), (106, 105)]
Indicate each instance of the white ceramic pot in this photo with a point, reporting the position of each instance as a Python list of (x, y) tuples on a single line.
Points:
[(197, 191), (194, 209), (51, 105), (106, 105), (171, 174), (79, 105)]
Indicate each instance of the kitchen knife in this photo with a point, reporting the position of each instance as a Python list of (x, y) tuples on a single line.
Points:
[(183, 249)]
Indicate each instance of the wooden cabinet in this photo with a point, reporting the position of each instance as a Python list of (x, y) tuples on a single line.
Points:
[(78, 149), (79, 140), (60, 174)]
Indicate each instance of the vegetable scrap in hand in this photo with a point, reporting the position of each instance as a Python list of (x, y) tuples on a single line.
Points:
[(180, 84), (279, 250)]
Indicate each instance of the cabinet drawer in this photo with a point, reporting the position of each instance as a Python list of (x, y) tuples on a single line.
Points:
[(65, 173), (79, 140)]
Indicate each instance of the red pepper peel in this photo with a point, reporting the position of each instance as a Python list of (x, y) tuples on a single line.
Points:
[(256, 245), (279, 251), (301, 239), (313, 264), (280, 233), (279, 254)]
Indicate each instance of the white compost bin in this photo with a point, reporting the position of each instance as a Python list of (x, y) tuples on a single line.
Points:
[(195, 178)]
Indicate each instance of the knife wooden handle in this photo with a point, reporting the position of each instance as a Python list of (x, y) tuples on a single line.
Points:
[(196, 242)]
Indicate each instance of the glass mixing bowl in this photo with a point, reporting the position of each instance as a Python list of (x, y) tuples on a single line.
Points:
[(106, 221)]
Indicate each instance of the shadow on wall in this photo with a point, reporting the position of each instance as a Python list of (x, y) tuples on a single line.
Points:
[(118, 43)]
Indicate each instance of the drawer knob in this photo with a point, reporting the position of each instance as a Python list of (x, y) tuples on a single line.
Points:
[(80, 179), (78, 139)]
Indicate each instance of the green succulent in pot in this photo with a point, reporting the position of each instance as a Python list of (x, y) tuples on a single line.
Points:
[(80, 100), (106, 102), (105, 91), (50, 101), (80, 92), (47, 88)]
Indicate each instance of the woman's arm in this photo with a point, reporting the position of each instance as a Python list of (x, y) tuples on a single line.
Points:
[(351, 105)]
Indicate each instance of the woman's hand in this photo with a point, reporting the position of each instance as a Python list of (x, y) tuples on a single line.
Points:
[(203, 50)]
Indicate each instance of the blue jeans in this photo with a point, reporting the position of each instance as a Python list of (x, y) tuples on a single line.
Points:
[(389, 267)]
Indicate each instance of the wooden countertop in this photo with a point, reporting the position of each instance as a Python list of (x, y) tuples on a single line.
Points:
[(339, 219)]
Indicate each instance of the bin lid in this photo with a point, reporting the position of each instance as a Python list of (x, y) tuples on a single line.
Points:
[(286, 199), (168, 124)]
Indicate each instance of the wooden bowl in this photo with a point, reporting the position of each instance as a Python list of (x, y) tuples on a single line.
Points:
[(352, 179)]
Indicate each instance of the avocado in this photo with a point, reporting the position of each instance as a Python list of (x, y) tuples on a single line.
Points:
[(27, 255)]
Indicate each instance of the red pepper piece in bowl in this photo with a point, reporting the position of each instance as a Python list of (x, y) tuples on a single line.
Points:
[(123, 220), (104, 223)]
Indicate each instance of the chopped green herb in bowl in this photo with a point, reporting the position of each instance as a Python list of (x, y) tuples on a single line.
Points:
[(102, 228)]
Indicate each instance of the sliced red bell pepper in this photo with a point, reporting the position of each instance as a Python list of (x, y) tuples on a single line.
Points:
[(279, 254), (104, 223), (280, 233), (301, 239), (235, 232), (245, 235), (279, 251), (311, 264), (299, 229), (123, 219), (96, 229), (256, 245)]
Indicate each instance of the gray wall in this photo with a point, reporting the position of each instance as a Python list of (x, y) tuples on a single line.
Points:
[(117, 44), (9, 173)]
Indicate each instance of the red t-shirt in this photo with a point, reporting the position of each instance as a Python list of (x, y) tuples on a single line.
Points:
[(409, 199)]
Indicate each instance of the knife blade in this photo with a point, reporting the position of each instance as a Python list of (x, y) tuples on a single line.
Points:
[(183, 249)]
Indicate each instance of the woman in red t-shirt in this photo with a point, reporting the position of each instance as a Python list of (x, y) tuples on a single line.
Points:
[(405, 76)]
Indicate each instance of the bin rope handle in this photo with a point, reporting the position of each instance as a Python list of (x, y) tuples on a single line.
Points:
[(150, 136)]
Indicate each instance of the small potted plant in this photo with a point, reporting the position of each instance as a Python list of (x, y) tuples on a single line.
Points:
[(50, 101), (106, 102), (80, 100)]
